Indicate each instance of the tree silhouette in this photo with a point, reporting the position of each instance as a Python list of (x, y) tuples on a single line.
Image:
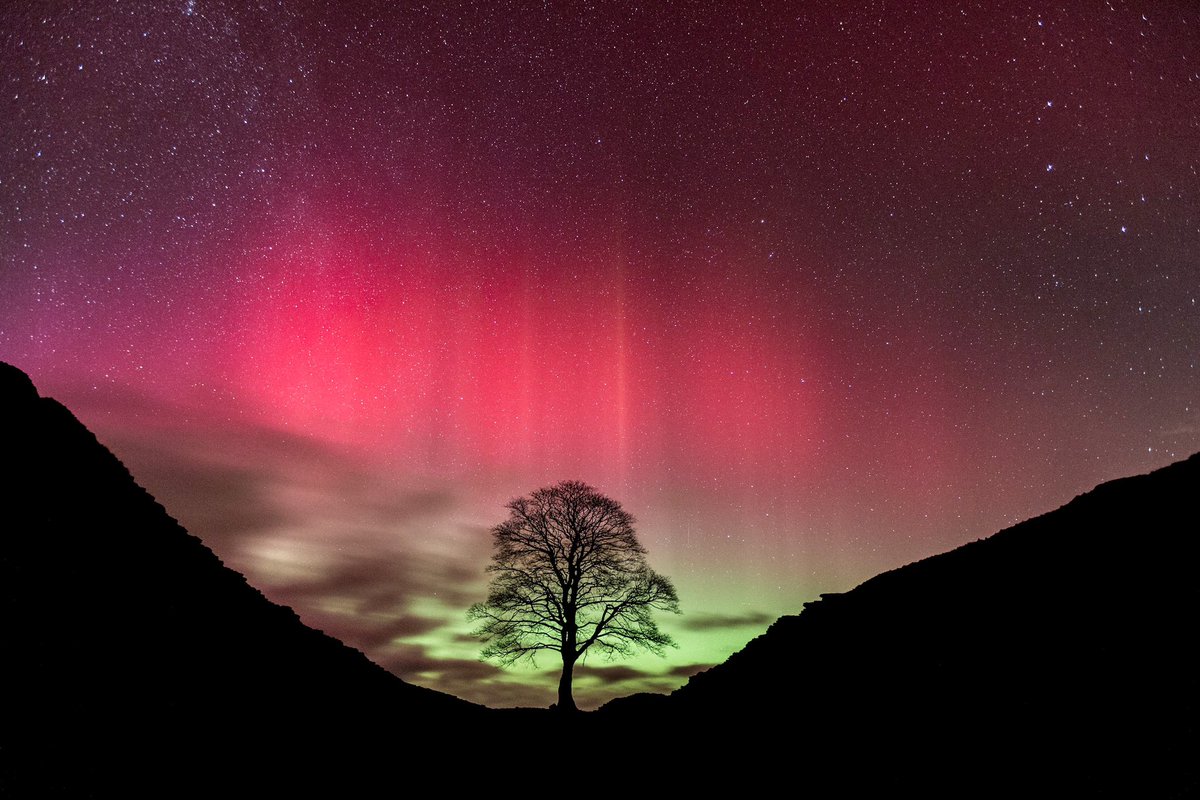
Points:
[(569, 576)]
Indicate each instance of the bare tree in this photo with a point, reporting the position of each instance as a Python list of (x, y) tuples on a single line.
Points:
[(569, 576)]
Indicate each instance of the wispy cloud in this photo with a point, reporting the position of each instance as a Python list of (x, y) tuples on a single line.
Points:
[(688, 670), (614, 674), (715, 622)]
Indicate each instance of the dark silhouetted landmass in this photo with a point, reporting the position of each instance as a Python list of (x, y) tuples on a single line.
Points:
[(1055, 656), (130, 651)]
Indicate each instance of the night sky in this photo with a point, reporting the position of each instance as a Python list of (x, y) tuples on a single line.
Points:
[(813, 289)]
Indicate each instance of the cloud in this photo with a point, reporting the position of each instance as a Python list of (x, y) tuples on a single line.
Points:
[(402, 509), (356, 552), (513, 694), (716, 622), (223, 500), (370, 638), (688, 670), (415, 660), (479, 681), (597, 685), (611, 675)]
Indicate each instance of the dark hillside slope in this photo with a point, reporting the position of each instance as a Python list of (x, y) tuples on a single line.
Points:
[(1059, 652), (129, 647)]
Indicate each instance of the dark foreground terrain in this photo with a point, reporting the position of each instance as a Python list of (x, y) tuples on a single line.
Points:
[(1053, 658), (131, 651)]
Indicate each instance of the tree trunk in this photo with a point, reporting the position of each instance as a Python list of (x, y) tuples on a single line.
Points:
[(565, 701)]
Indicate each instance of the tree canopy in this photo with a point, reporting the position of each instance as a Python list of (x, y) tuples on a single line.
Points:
[(569, 576)]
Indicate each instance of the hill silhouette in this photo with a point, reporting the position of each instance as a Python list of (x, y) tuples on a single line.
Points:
[(1056, 655), (130, 650)]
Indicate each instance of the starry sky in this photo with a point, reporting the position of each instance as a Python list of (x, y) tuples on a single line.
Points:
[(813, 289)]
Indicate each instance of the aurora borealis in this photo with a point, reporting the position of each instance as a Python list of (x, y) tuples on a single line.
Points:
[(812, 291)]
